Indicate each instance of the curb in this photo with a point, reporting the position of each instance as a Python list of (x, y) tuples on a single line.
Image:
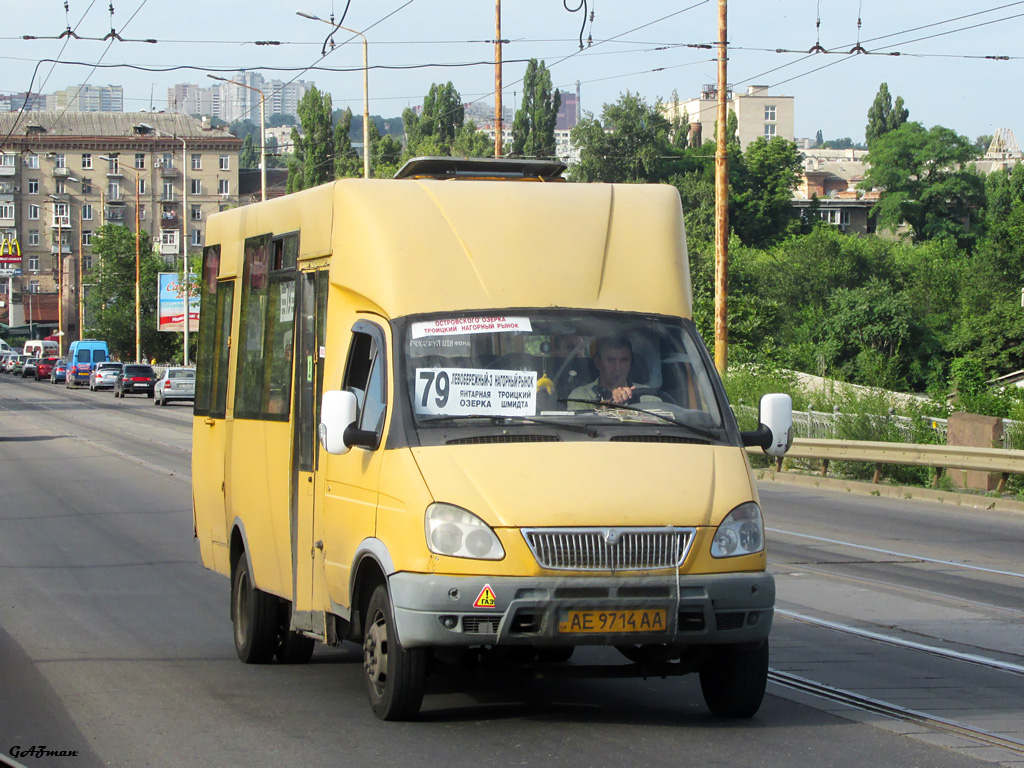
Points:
[(903, 492)]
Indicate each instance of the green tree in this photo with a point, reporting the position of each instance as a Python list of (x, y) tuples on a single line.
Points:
[(926, 180), (313, 162), (433, 131), (249, 156), (469, 142), (278, 121), (243, 128), (883, 116), (533, 129), (111, 300), (385, 154), (346, 160), (634, 148), (761, 206)]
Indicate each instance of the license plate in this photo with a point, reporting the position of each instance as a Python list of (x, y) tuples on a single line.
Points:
[(641, 620)]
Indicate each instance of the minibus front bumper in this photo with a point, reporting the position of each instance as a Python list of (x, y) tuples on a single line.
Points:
[(703, 609)]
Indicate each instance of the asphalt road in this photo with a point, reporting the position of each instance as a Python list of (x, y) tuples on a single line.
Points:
[(116, 643)]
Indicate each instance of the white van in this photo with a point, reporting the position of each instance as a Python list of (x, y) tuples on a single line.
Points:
[(42, 348)]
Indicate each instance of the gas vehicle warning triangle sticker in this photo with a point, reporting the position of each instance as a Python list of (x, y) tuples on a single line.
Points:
[(486, 598)]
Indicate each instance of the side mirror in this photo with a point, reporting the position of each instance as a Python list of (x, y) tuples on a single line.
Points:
[(337, 414), (775, 433)]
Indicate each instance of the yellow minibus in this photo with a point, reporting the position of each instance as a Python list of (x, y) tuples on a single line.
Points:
[(468, 408)]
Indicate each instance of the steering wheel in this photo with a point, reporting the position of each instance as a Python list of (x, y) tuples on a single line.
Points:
[(653, 391)]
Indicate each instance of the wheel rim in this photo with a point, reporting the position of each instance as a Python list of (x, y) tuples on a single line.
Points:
[(375, 654), (241, 608)]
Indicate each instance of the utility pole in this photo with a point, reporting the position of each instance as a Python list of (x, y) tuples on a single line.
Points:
[(722, 203), (497, 78)]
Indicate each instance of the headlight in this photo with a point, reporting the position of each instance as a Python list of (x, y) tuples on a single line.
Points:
[(741, 532), (454, 532)]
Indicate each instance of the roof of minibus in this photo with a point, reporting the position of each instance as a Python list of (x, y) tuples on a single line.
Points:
[(425, 245)]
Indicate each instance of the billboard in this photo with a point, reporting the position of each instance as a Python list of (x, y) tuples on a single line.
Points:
[(170, 304)]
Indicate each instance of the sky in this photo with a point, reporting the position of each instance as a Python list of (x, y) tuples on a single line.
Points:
[(643, 46)]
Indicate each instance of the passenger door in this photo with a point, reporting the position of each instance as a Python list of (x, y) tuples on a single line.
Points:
[(209, 430), (311, 321), (349, 511)]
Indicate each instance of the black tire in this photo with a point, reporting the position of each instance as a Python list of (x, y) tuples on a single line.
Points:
[(292, 648), (150, 395), (733, 680), (394, 676), (254, 616)]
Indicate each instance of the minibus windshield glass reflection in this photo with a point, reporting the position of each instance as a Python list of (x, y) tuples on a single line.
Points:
[(611, 368)]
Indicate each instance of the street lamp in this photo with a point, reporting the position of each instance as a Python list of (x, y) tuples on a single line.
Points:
[(263, 131), (366, 88), (138, 302), (184, 229)]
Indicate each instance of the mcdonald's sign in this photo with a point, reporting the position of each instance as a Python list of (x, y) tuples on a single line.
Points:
[(10, 251)]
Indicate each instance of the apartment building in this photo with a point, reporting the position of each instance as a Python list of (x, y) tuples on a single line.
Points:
[(62, 176), (758, 113)]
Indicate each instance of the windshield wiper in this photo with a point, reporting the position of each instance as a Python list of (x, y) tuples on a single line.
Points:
[(582, 429), (702, 431)]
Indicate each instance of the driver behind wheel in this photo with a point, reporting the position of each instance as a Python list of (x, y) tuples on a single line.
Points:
[(612, 358)]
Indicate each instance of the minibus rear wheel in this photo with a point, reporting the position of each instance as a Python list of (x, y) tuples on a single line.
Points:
[(394, 676), (733, 679), (254, 614)]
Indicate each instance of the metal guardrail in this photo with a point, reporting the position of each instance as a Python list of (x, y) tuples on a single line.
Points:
[(826, 424), (941, 457)]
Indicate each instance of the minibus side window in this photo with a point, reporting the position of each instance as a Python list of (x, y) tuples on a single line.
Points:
[(365, 377), (207, 330)]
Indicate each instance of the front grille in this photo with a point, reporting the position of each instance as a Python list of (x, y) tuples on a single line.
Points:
[(482, 624), (729, 620), (609, 549)]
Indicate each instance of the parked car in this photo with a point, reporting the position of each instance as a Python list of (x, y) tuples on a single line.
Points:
[(103, 375), (175, 384), (59, 372), (44, 367), (135, 380), (28, 368), (11, 361)]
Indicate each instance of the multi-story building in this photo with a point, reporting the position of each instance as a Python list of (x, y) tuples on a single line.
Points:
[(90, 98), (231, 101), (62, 176), (758, 113)]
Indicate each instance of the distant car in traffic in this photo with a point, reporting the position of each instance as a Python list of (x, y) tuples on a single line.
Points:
[(175, 384), (104, 375), (44, 367), (28, 368), (135, 380), (5, 359), (59, 372), (19, 364)]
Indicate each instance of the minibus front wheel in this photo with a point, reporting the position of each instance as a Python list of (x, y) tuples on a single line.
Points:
[(394, 676), (733, 679)]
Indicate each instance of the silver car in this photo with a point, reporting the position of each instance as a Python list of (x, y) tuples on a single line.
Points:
[(175, 384), (104, 375)]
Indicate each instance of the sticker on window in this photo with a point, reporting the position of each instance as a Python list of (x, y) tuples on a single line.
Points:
[(456, 325), (470, 391)]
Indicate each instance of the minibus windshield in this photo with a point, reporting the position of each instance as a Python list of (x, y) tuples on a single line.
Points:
[(544, 367)]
